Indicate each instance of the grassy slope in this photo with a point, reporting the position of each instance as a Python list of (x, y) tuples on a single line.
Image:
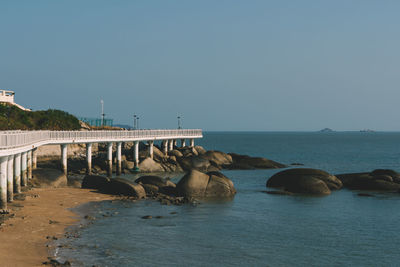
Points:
[(13, 118)]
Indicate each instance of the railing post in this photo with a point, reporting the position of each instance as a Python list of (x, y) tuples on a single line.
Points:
[(89, 158), (3, 182), (24, 180), (119, 158), (109, 159), (10, 178), (17, 173), (64, 158)]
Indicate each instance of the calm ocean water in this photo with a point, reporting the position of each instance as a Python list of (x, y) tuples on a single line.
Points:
[(257, 229)]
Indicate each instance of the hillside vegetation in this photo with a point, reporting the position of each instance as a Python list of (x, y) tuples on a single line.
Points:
[(13, 118)]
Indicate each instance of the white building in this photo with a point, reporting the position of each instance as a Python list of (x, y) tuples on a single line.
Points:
[(8, 97)]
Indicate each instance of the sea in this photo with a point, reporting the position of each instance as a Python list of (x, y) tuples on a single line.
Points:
[(255, 228)]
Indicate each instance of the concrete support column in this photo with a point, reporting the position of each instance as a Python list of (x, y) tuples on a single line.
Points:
[(64, 158), (165, 147), (171, 145), (24, 175), (89, 158), (10, 178), (136, 154), (151, 149), (17, 173), (3, 182), (183, 142), (34, 158), (119, 158), (192, 142), (175, 143), (29, 164), (109, 159)]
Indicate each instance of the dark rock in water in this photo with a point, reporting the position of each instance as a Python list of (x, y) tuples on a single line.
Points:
[(53, 262), (45, 178), (247, 162), (297, 164), (364, 195), (159, 217), (278, 192), (198, 184), (147, 217), (378, 180), (119, 186), (95, 182), (168, 190), (218, 158), (305, 181)]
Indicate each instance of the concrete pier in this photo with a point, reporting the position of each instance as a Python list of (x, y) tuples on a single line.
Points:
[(34, 159), (151, 149), (10, 178), (3, 182), (136, 154), (191, 142), (109, 159), (64, 158), (24, 174), (165, 147), (183, 142), (29, 164), (119, 158), (17, 173), (89, 158)]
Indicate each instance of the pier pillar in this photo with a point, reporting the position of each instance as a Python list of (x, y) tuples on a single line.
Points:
[(10, 178), (64, 158), (34, 159), (151, 149), (136, 154), (29, 164), (171, 145), (89, 158), (3, 182), (119, 158), (17, 173), (183, 142), (175, 143), (165, 147), (192, 142), (24, 175), (109, 159)]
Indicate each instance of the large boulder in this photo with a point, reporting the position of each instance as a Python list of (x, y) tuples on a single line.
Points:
[(45, 178), (194, 162), (153, 180), (149, 165), (305, 181), (175, 153), (377, 180), (219, 158), (119, 186), (200, 150), (247, 162), (201, 185), (95, 182)]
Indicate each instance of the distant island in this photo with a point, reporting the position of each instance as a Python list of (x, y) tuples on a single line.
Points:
[(367, 131), (326, 130)]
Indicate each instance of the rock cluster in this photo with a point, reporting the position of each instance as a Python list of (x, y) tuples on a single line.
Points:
[(305, 181), (377, 180)]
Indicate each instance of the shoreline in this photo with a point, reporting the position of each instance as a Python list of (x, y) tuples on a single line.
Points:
[(45, 216)]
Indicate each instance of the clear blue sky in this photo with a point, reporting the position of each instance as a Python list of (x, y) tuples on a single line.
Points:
[(222, 65)]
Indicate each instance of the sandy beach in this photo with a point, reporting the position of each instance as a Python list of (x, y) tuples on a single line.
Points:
[(44, 214)]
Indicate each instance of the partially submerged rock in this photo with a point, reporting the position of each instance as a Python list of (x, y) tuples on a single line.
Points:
[(201, 185), (305, 181), (95, 182), (119, 186), (247, 162), (377, 180), (45, 178)]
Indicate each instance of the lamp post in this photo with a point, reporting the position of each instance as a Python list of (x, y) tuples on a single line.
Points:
[(134, 122), (179, 122), (102, 112), (137, 123)]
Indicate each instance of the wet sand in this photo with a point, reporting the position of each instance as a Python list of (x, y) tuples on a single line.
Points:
[(44, 214)]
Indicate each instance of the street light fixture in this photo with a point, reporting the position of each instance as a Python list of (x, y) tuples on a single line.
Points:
[(179, 122)]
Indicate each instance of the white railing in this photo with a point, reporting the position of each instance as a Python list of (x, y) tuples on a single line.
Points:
[(13, 139)]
